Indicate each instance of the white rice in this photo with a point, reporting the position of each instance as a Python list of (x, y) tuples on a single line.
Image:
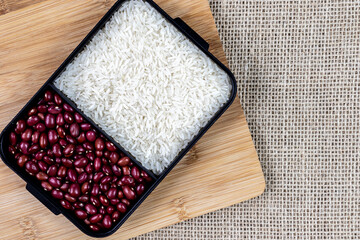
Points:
[(145, 84)]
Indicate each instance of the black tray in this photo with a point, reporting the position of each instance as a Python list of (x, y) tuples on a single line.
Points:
[(34, 188)]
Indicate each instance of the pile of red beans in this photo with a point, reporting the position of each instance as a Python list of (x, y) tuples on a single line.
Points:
[(76, 164)]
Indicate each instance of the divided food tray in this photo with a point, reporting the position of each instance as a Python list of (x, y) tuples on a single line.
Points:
[(34, 187)]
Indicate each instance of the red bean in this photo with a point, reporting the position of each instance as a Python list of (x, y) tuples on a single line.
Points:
[(65, 187), (68, 108), (61, 132), (81, 138), (90, 156), (74, 130), (34, 148), (40, 127), (107, 154), (114, 201), (146, 176), (78, 118), (72, 175), (57, 194), (104, 200), (140, 189), (63, 143), (135, 172), (111, 193), (24, 147), (90, 209), (110, 146), (107, 170), (12, 150), (50, 121), (82, 162), (84, 198), (54, 182), (22, 160), (104, 187), (42, 108), (69, 198), (43, 166), (79, 149), (41, 176), (74, 190), (70, 139), (39, 155), (13, 138), (89, 168), (48, 160), (78, 205), (43, 141), (32, 111), (85, 187), (114, 157), (32, 120), (79, 170), (126, 170), (82, 178), (125, 201), (105, 180), (128, 181), (95, 201), (26, 135), (91, 136), (98, 176), (110, 209), (95, 190), (80, 214), (52, 137), (52, 171), (88, 146), (124, 161), (68, 118), (129, 194), (41, 116), (99, 153), (115, 216), (48, 96), (46, 186), (65, 204), (67, 162), (69, 150), (85, 126), (96, 218), (97, 164), (60, 120), (57, 150), (20, 126), (99, 144), (35, 137), (54, 109), (57, 99), (94, 228), (121, 207), (107, 221), (116, 170), (62, 171)]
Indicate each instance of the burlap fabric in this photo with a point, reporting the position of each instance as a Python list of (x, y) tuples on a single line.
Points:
[(298, 68)]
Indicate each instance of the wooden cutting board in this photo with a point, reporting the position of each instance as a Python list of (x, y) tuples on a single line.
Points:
[(221, 170)]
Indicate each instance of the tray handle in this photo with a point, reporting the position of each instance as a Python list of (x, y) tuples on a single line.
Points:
[(196, 37), (42, 199)]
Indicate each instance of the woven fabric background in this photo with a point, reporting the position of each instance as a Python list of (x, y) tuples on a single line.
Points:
[(298, 68)]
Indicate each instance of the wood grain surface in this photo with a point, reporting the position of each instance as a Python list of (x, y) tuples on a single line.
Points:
[(221, 170)]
